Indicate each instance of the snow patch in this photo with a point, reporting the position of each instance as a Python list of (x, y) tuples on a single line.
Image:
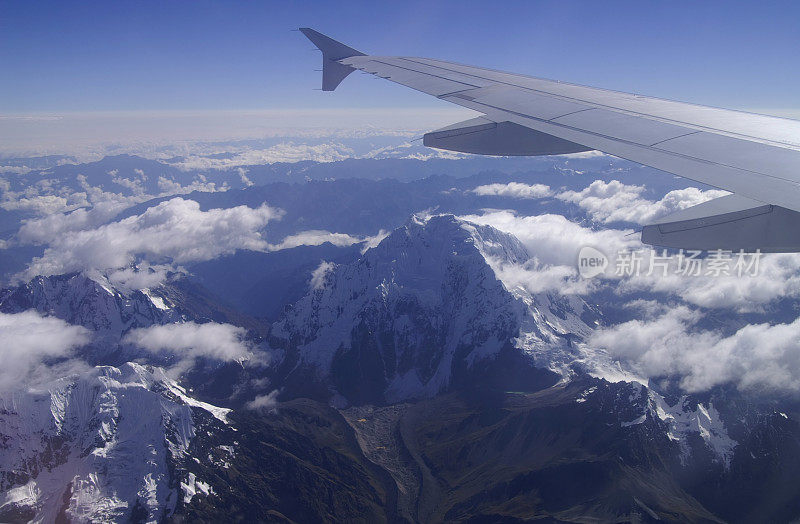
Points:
[(193, 487)]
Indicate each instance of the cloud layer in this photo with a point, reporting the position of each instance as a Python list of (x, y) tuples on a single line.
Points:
[(514, 190), (29, 340), (553, 242), (175, 229), (760, 357), (189, 340), (617, 202)]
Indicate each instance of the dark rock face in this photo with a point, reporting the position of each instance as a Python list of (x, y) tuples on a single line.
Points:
[(556, 455), (301, 464)]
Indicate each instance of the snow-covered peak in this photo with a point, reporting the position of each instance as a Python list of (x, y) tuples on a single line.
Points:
[(94, 446), (415, 308), (92, 302)]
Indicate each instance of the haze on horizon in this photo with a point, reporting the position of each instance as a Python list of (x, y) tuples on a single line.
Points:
[(89, 74)]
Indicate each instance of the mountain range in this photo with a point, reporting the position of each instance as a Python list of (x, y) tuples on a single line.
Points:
[(407, 383)]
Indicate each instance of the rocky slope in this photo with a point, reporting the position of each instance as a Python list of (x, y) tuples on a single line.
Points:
[(107, 444), (110, 311)]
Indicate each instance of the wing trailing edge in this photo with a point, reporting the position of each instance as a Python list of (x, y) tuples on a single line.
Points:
[(485, 137), (731, 223)]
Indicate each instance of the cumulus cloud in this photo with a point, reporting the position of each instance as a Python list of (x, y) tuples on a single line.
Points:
[(95, 207), (514, 190), (266, 402), (314, 237), (318, 275), (283, 152), (140, 276), (537, 278), (777, 276), (30, 342), (374, 240), (553, 242), (243, 174), (176, 229), (317, 237), (553, 239), (189, 341), (48, 228), (759, 357), (617, 202), (40, 204), (170, 187)]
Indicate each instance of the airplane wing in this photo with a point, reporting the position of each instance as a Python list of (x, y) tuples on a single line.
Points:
[(756, 157)]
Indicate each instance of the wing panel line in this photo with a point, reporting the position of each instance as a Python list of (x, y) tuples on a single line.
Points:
[(674, 137), (785, 145)]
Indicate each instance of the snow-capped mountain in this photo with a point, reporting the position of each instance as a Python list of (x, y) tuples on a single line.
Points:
[(110, 311), (93, 303), (411, 384), (419, 311), (425, 310), (106, 445)]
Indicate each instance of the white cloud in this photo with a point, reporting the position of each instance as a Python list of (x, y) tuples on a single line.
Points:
[(283, 152), (176, 228), (318, 275), (536, 278), (41, 205), (315, 237), (778, 276), (90, 136), (29, 340), (370, 242), (758, 357), (142, 276), (243, 174), (553, 239), (617, 202), (51, 227), (100, 207), (170, 187), (189, 341), (553, 243), (514, 190), (134, 184), (266, 402)]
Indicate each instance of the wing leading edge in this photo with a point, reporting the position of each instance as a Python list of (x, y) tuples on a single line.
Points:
[(756, 157)]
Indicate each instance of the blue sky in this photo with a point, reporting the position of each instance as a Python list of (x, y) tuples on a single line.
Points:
[(121, 56)]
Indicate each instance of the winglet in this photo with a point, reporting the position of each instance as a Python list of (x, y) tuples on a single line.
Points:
[(332, 71)]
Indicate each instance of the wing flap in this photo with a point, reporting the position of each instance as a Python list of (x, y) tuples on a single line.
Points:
[(731, 223), (486, 137)]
